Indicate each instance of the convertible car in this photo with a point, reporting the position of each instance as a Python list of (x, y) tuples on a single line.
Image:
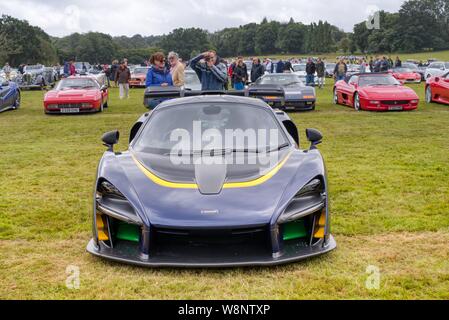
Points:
[(297, 96), (175, 200), (138, 77), (374, 92), (406, 75), (9, 95), (437, 89), (76, 94)]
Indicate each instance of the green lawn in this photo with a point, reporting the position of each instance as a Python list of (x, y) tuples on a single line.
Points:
[(389, 191)]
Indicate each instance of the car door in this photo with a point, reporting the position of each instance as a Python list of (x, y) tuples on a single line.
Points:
[(444, 94), (3, 97), (348, 89)]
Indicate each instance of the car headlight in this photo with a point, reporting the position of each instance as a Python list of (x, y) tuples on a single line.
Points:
[(86, 105), (52, 106), (310, 199)]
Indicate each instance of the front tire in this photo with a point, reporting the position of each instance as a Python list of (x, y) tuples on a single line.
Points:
[(357, 106), (429, 98), (17, 101)]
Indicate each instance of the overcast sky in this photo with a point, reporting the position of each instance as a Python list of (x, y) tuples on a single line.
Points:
[(148, 17)]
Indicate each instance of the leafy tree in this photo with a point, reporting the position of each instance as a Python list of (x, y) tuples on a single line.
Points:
[(185, 41)]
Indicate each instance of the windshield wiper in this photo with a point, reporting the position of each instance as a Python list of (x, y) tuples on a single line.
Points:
[(280, 147)]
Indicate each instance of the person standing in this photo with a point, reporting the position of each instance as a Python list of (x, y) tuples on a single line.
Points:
[(258, 70), (114, 67), (310, 71), (340, 70), (280, 66), (210, 71), (320, 72), (7, 71), (239, 75), (384, 65), (398, 63), (72, 69), (122, 76), (176, 69), (158, 75)]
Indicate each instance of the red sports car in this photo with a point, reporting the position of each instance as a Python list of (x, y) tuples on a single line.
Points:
[(374, 92), (406, 75), (437, 89), (138, 77), (76, 94)]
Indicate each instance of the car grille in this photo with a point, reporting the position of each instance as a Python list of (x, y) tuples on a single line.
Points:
[(69, 105), (211, 242), (395, 102)]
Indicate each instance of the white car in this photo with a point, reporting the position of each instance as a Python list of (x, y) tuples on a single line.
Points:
[(437, 68), (300, 70)]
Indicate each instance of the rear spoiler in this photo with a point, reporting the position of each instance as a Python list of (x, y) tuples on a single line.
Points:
[(166, 93)]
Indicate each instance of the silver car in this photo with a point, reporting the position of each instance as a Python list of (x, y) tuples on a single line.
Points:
[(437, 68)]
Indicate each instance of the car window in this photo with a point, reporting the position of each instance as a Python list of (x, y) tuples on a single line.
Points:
[(280, 79), (447, 65), (176, 127), (77, 83), (353, 80), (378, 80)]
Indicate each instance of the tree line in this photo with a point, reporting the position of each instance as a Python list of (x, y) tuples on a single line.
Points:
[(419, 25)]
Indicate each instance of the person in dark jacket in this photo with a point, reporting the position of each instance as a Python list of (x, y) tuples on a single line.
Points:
[(240, 75), (384, 65), (340, 70), (114, 67), (398, 63), (320, 72), (280, 67), (122, 77), (211, 72), (310, 71), (288, 68), (258, 70)]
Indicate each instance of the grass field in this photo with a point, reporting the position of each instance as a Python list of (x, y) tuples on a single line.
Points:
[(389, 191)]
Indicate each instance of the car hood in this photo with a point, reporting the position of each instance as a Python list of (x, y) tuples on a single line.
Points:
[(388, 92), (75, 93), (165, 206), (407, 75)]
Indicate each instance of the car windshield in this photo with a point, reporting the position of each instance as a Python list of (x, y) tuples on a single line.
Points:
[(77, 84), (410, 66), (191, 78), (402, 70), (378, 80), (284, 79), (79, 65), (299, 67), (186, 128), (140, 70), (33, 67), (447, 65)]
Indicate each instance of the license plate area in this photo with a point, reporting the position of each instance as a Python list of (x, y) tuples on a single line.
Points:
[(70, 110)]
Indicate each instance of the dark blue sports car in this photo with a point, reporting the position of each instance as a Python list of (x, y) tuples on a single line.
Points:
[(9, 95), (211, 181)]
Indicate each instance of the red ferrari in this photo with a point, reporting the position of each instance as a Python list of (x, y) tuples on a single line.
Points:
[(138, 77), (437, 89), (406, 75), (374, 92), (76, 94)]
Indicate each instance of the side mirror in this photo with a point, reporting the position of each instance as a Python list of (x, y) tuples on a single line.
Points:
[(437, 79), (110, 138), (104, 88), (315, 137)]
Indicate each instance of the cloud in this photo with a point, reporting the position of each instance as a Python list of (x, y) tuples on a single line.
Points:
[(118, 17)]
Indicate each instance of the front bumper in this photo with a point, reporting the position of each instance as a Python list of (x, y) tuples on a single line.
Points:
[(298, 105), (129, 253)]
